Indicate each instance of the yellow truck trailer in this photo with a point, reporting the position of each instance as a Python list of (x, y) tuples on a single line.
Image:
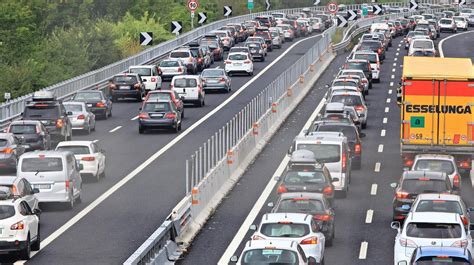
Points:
[(437, 109)]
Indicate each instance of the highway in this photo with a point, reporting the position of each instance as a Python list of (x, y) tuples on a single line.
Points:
[(363, 234), (145, 173)]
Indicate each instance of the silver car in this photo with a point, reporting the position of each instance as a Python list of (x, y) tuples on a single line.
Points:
[(80, 115), (171, 67), (216, 79), (277, 40), (22, 188)]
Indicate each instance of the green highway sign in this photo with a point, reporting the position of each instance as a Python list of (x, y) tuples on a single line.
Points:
[(250, 4)]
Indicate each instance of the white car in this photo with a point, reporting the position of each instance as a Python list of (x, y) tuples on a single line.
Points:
[(461, 22), (239, 62), (447, 24), (374, 61), (149, 74), (429, 229), (19, 226), (360, 73), (421, 44), (277, 40), (287, 32), (267, 251), (171, 67), (88, 153), (466, 12), (297, 227), (353, 99), (439, 163), (190, 88)]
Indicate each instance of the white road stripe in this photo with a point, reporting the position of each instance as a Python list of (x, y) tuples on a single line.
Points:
[(373, 189), (387, 109), (389, 91), (393, 76), (398, 49), (440, 45), (397, 54), (115, 129), (400, 45), (380, 149), (385, 120), (377, 167), (382, 132), (395, 59), (369, 216), (394, 64), (134, 118), (393, 70), (388, 100), (363, 250), (391, 83), (401, 65)]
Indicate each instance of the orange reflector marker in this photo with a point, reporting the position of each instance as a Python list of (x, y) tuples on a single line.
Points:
[(230, 157), (289, 92), (301, 79), (274, 107), (311, 67), (195, 193), (255, 128)]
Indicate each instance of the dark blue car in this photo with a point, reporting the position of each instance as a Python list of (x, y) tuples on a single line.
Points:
[(440, 256)]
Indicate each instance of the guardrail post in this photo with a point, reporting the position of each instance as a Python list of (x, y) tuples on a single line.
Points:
[(274, 107), (301, 79), (289, 91), (195, 196), (312, 66), (230, 157)]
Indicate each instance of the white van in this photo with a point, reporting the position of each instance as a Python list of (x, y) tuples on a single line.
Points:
[(379, 26), (190, 88), (56, 174), (149, 74), (332, 149)]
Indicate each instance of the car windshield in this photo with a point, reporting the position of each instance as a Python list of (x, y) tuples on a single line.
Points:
[(419, 44), (41, 164), (179, 54), (294, 177), (300, 205), (439, 206), (141, 71), (88, 95), (458, 19), (370, 45), (349, 100), (169, 64), (125, 79), (324, 153), (212, 73), (372, 58), (185, 82), (441, 260), (434, 165), (348, 131), (6, 211), (76, 149), (159, 96), (156, 107), (237, 57), (253, 45), (3, 142), (284, 229), (269, 256), (22, 129), (424, 185), (73, 107), (445, 21), (274, 34), (46, 112), (433, 230), (344, 83)]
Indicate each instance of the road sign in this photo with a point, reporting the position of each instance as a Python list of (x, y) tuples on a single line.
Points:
[(332, 7), (365, 11), (193, 5), (341, 22), (202, 17), (7, 96), (146, 38), (377, 9), (176, 27), (267, 4), (352, 15), (316, 2), (413, 5), (250, 4), (227, 11), (417, 122)]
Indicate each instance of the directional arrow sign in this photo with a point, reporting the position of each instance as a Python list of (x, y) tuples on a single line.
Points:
[(227, 11), (202, 17), (146, 38), (316, 2), (377, 9), (341, 21), (176, 27), (267, 4), (352, 15), (413, 5), (462, 3)]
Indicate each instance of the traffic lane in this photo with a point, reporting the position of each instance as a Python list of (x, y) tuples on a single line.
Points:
[(163, 180), (221, 228), (460, 45)]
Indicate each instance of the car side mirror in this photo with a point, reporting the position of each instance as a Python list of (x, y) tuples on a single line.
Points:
[(326, 85), (393, 185), (395, 225), (253, 227), (362, 135), (80, 166), (234, 259), (271, 204), (335, 180), (35, 190), (312, 261)]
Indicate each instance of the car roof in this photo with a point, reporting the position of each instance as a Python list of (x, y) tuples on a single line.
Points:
[(415, 174), (241, 53), (74, 143), (127, 74), (282, 217), (262, 244), (28, 122), (46, 153), (439, 196), (435, 156), (443, 251), (186, 76), (158, 101), (433, 217), (347, 93), (74, 103), (322, 136)]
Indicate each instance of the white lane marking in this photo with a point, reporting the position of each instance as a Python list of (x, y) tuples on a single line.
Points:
[(151, 159), (369, 216), (387, 109), (134, 118), (385, 120), (377, 167), (389, 91), (393, 76), (394, 64), (115, 129), (395, 59), (440, 45), (397, 54), (382, 132), (380, 149), (391, 83), (400, 45), (401, 65), (401, 41), (388, 100), (95, 141), (363, 250), (239, 236), (398, 49), (373, 189), (393, 70)]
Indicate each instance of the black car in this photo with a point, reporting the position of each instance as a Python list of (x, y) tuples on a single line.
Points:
[(364, 65), (256, 50), (96, 102), (126, 85), (373, 45), (45, 108), (349, 130), (159, 114), (33, 134), (309, 203), (413, 183), (198, 53), (10, 150)]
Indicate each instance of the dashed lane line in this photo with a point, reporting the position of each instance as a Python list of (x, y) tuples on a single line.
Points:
[(385, 120), (369, 216), (115, 129), (377, 167), (363, 250), (380, 149), (373, 189), (382, 133)]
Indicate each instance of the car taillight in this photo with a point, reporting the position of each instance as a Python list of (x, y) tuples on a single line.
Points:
[(100, 104), (402, 194), (143, 116), (59, 123), (112, 86), (7, 151), (344, 161), (222, 80), (257, 237), (405, 242), (364, 81), (357, 148), (282, 189), (88, 158), (170, 116), (359, 108), (68, 184), (328, 190), (247, 61), (228, 62), (199, 60), (408, 163), (153, 79), (460, 243), (309, 241), (180, 69), (137, 86), (465, 220), (81, 117), (322, 217), (465, 164), (17, 226), (456, 181)]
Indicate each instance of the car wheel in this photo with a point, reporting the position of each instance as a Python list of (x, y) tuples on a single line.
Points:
[(141, 130), (106, 115), (37, 245), (139, 97), (70, 204), (344, 193), (26, 252), (182, 114), (69, 136), (328, 242), (88, 131), (110, 112), (251, 73), (114, 99), (93, 128), (364, 125)]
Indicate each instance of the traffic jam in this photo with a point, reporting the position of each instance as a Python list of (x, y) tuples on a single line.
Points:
[(431, 219), (41, 164)]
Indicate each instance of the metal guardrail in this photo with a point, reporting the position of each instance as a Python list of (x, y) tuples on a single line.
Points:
[(97, 79)]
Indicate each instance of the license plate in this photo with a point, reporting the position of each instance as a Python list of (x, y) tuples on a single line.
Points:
[(124, 87), (406, 207), (89, 105), (213, 81), (237, 64), (156, 115), (42, 186), (182, 94)]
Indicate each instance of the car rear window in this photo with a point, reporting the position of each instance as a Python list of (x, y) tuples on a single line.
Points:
[(422, 44), (73, 107), (300, 205), (445, 21), (6, 211), (22, 129), (286, 230), (210, 73), (424, 185), (43, 112), (370, 57), (434, 165), (433, 230), (156, 107), (348, 131), (141, 71), (458, 19), (324, 153), (88, 95), (77, 149), (269, 256), (125, 79), (41, 164), (185, 82), (169, 64), (237, 57), (441, 260), (159, 96), (179, 54), (349, 100), (3, 142), (304, 177), (344, 83), (440, 205), (371, 45)]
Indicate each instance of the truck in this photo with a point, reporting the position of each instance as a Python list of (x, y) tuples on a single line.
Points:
[(437, 109)]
